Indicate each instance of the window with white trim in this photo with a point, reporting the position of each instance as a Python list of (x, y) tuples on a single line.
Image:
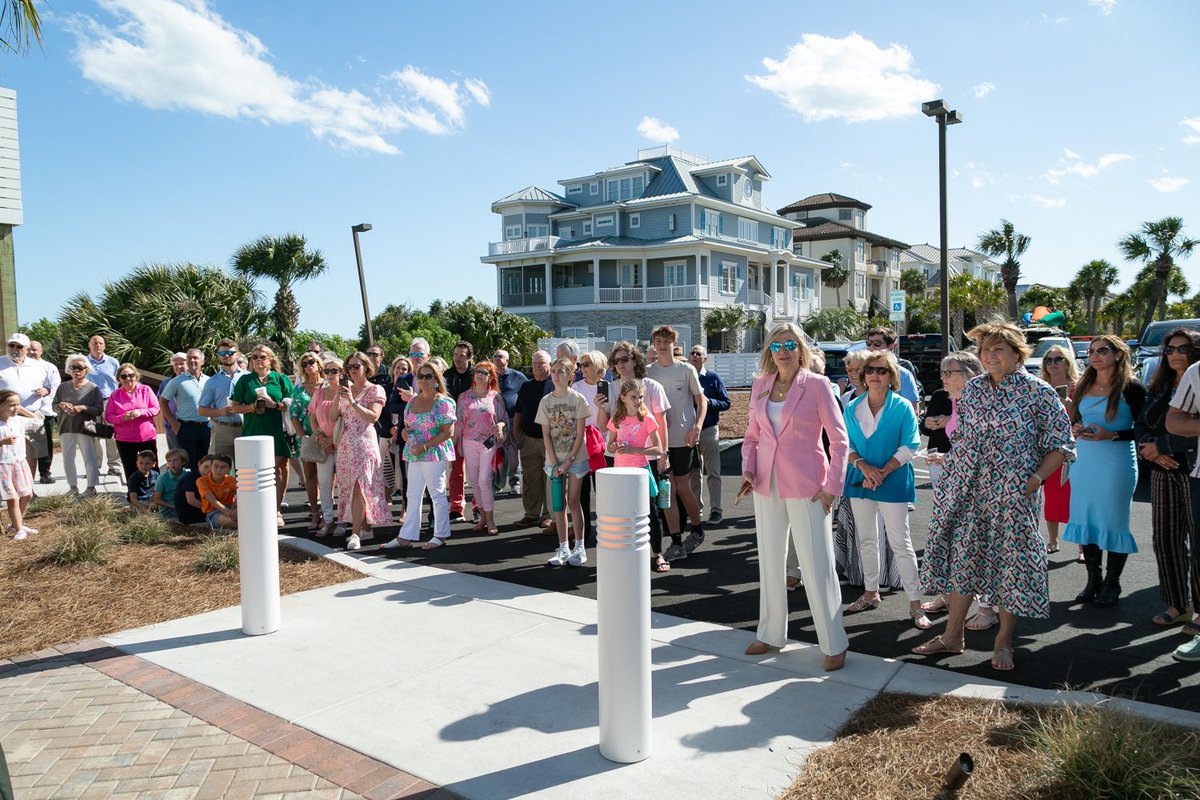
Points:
[(675, 273), (722, 180), (710, 222), (896, 259), (575, 333), (631, 273), (593, 189), (513, 232), (860, 285), (635, 221), (604, 221), (587, 228), (895, 286), (728, 284), (613, 191), (538, 230), (566, 233), (574, 190), (860, 252), (747, 230), (779, 237), (619, 333)]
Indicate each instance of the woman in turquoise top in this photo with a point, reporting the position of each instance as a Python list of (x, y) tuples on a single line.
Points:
[(310, 452), (1107, 400), (262, 398), (882, 427)]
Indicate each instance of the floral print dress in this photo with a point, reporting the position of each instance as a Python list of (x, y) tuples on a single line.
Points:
[(983, 535), (358, 461)]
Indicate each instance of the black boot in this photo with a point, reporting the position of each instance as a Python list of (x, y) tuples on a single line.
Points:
[(1110, 590), (1091, 560)]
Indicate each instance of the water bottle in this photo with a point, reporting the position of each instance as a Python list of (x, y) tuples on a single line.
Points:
[(664, 492), (557, 503)]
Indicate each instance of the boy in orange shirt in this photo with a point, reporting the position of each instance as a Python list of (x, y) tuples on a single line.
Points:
[(218, 493)]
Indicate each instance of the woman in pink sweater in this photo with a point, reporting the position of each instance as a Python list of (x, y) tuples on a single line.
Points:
[(131, 410)]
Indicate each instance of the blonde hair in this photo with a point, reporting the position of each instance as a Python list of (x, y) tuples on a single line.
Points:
[(437, 375), (1072, 370), (766, 364), (990, 334), (272, 359), (889, 361)]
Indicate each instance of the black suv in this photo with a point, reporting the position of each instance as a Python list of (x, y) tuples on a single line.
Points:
[(924, 350)]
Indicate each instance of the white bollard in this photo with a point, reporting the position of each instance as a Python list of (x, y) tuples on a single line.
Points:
[(623, 595), (258, 535)]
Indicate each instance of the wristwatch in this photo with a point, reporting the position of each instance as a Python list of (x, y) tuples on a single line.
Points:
[(1041, 481)]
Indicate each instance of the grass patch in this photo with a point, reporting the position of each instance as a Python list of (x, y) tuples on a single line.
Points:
[(900, 746), (83, 544), (50, 502), (216, 553), (138, 528), (95, 511)]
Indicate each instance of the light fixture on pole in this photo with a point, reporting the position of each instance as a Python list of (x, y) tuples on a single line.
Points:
[(363, 227), (944, 116)]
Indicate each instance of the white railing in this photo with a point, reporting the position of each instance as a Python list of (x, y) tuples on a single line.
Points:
[(644, 153), (665, 294), (737, 370), (781, 304), (527, 245), (621, 294), (753, 297)]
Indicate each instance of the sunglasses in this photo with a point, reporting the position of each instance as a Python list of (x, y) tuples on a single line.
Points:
[(416, 355), (227, 352), (78, 368), (354, 366), (789, 345), (127, 376), (1056, 360), (1185, 349), (622, 359), (17, 346), (331, 371), (425, 376), (1102, 350), (309, 363), (585, 363), (259, 357), (876, 371)]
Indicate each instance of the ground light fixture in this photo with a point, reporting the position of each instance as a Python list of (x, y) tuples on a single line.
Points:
[(959, 772), (944, 116), (363, 227)]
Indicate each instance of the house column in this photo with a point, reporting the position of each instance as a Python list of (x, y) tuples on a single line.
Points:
[(549, 283), (596, 280), (644, 279)]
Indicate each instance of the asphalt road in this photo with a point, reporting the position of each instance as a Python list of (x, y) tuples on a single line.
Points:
[(1118, 651)]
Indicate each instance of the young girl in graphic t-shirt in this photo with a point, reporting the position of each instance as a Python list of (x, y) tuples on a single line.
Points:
[(634, 439)]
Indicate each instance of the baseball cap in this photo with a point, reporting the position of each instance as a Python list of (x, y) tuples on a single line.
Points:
[(19, 338)]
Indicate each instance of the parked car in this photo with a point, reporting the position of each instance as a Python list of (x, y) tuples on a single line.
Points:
[(1081, 344), (1037, 333), (835, 359), (1033, 364), (924, 350)]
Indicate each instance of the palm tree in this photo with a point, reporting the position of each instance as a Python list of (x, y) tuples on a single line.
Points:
[(1005, 241), (915, 284), (1117, 311), (836, 276), (728, 320), (286, 260), (830, 323), (1093, 282), (981, 297), (1158, 244), (20, 20)]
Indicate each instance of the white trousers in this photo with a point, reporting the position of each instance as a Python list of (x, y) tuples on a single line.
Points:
[(811, 534), (86, 445), (434, 476), (325, 470), (895, 522)]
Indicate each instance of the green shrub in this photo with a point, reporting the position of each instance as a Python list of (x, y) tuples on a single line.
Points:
[(1101, 752), (140, 528), (80, 544), (96, 511), (49, 502), (216, 553)]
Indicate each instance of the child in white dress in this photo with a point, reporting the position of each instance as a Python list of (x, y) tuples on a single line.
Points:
[(16, 481)]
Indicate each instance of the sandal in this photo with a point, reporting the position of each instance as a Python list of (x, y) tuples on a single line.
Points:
[(434, 544), (493, 531), (1052, 548), (987, 618), (862, 604), (1166, 619), (792, 583), (935, 606), (479, 526), (920, 619), (937, 646), (1002, 656), (1191, 629), (315, 526), (659, 564)]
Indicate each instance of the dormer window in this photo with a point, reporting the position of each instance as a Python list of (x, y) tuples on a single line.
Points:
[(575, 189), (844, 215), (722, 180)]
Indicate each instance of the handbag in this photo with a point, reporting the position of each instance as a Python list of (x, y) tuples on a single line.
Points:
[(97, 428), (594, 442), (339, 428), (311, 451)]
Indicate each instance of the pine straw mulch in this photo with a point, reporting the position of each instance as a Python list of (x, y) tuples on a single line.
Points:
[(902, 746), (733, 421), (43, 605)]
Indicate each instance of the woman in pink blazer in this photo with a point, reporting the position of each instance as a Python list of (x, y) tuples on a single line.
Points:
[(131, 410), (795, 486)]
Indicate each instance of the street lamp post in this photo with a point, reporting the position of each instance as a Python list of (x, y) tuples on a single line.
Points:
[(363, 227), (944, 116)]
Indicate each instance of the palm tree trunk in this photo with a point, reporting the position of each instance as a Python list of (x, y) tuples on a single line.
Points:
[(1093, 310), (1012, 303)]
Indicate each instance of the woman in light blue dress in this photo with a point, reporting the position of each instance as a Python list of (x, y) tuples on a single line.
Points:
[(1105, 404)]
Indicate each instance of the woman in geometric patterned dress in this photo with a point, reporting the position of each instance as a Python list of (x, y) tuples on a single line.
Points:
[(983, 535)]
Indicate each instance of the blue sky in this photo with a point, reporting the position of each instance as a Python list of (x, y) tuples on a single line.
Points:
[(177, 130)]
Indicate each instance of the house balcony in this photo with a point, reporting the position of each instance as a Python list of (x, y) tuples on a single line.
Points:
[(508, 299), (622, 294), (879, 267), (527, 245), (753, 297)]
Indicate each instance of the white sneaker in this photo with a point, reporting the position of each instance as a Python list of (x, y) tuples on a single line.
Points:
[(578, 556), (283, 504), (353, 543), (340, 530), (19, 535), (561, 556), (28, 529)]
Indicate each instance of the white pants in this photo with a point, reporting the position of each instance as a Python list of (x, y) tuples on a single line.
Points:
[(895, 522), (709, 471), (86, 445), (812, 538), (325, 470), (434, 476)]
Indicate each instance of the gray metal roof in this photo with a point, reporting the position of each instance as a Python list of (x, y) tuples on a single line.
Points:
[(534, 194), (674, 179), (623, 241)]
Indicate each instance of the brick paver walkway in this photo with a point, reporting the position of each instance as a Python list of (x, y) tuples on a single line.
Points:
[(88, 721)]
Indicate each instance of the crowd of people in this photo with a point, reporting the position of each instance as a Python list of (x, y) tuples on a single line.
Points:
[(830, 467)]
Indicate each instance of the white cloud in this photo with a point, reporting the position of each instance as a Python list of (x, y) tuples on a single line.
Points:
[(1048, 202), (1193, 125), (980, 177), (851, 79), (982, 90), (181, 55), (1073, 164), (1168, 184), (656, 130), (1104, 6)]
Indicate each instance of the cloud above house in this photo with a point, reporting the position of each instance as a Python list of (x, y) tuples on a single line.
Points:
[(982, 90), (1072, 163), (656, 130), (1048, 202), (852, 79), (1105, 7), (181, 55), (1168, 183), (1193, 127)]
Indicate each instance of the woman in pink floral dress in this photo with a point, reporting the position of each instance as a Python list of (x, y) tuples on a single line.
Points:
[(482, 420), (362, 499)]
